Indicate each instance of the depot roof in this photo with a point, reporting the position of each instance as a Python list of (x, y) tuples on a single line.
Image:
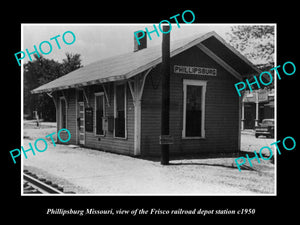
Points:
[(125, 66)]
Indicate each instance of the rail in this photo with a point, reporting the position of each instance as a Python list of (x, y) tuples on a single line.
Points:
[(40, 186)]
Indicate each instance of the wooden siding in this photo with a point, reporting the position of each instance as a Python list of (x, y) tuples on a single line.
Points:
[(106, 142), (221, 112), (221, 109)]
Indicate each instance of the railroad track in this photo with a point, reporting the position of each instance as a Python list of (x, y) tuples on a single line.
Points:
[(35, 185)]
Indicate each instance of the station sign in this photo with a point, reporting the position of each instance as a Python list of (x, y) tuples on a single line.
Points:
[(195, 70), (166, 140)]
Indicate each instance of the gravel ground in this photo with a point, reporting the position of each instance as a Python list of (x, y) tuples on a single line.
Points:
[(87, 171), (250, 143)]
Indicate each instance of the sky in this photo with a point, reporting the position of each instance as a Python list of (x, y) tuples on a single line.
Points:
[(97, 41)]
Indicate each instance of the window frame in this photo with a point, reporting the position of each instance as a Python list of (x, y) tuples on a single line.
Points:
[(95, 111), (125, 108), (189, 82), (60, 113)]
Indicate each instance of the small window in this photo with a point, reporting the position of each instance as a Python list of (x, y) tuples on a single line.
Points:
[(120, 111), (63, 113), (194, 104), (100, 112)]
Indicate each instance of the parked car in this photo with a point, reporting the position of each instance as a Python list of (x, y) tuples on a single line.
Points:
[(265, 128)]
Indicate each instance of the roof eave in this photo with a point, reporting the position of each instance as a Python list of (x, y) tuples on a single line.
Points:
[(98, 81), (149, 65)]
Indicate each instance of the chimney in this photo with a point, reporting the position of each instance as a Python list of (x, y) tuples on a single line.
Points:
[(143, 42)]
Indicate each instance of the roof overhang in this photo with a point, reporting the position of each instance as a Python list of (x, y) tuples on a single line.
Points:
[(210, 43)]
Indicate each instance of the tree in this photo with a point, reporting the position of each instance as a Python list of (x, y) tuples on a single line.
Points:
[(256, 42), (72, 62), (41, 71)]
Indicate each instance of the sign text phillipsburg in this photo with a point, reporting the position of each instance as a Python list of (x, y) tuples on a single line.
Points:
[(195, 70)]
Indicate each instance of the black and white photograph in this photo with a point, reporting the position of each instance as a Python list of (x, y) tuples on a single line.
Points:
[(151, 113), (148, 109)]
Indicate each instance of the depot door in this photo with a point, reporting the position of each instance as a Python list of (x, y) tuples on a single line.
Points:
[(80, 124)]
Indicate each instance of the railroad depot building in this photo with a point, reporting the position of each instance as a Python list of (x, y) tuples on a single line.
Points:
[(115, 104)]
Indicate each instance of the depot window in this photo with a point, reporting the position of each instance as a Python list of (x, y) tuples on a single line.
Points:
[(100, 113), (193, 108), (120, 110)]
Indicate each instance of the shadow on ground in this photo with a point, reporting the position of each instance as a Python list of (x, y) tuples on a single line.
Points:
[(225, 160)]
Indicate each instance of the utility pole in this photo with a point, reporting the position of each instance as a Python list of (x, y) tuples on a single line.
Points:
[(165, 97)]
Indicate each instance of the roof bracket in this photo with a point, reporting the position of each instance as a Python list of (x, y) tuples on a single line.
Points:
[(85, 96), (142, 83), (50, 94), (105, 93), (131, 89), (63, 94), (136, 86), (53, 98)]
